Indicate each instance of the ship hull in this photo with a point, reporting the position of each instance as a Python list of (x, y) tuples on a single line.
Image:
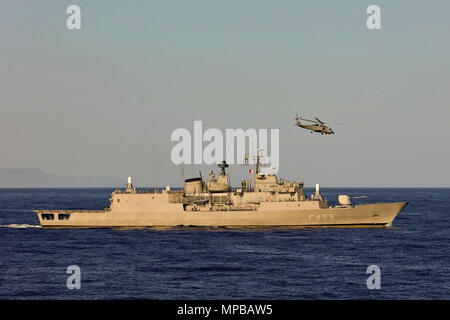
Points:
[(378, 214)]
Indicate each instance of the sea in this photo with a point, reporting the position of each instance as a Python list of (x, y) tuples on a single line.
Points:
[(411, 258)]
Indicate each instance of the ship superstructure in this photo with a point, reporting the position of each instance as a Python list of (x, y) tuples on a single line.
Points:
[(268, 202)]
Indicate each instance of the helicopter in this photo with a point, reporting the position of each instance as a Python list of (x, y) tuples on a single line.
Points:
[(318, 126)]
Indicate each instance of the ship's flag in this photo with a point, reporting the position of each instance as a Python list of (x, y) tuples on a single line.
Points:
[(251, 170)]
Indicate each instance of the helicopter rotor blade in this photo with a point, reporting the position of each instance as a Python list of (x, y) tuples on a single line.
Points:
[(319, 121), (309, 120)]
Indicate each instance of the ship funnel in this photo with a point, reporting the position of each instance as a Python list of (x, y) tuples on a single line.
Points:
[(317, 188), (129, 180)]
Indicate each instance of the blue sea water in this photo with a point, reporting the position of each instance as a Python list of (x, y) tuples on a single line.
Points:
[(221, 263)]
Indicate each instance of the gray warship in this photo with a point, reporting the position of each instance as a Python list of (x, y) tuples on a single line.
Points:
[(267, 202)]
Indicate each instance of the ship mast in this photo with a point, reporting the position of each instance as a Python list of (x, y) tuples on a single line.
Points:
[(257, 161), (258, 164)]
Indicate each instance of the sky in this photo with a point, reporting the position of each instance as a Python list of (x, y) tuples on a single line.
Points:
[(105, 99)]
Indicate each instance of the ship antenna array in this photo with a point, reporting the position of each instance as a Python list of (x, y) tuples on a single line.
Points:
[(155, 177), (258, 158), (182, 172), (229, 176)]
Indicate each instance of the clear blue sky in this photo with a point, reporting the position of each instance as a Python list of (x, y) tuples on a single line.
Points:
[(104, 100)]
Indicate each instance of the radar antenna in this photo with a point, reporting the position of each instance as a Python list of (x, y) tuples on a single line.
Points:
[(222, 166)]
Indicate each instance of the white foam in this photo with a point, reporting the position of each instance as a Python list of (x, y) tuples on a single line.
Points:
[(19, 226)]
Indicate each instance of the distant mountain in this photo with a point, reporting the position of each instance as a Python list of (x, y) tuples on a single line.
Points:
[(33, 177)]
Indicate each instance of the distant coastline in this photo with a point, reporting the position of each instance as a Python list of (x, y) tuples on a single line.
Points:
[(34, 177)]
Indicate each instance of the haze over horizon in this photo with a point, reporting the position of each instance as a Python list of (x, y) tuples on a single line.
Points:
[(104, 100)]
